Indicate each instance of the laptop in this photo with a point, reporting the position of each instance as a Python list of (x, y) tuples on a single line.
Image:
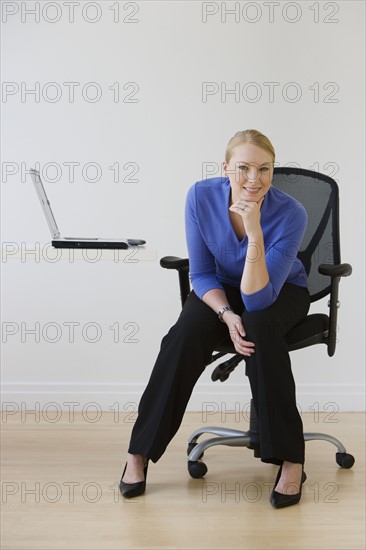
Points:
[(74, 242)]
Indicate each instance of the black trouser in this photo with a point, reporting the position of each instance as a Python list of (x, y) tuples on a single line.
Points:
[(186, 351)]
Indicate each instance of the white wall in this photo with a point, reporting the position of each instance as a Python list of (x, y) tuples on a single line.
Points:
[(162, 53)]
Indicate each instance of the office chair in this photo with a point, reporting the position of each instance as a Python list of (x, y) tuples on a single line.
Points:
[(320, 254)]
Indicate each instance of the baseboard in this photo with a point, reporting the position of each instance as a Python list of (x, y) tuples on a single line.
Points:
[(206, 398)]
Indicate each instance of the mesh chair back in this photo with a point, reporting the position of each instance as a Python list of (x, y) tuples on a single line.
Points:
[(319, 195)]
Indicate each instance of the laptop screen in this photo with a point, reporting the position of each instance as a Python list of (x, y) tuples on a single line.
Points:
[(45, 203)]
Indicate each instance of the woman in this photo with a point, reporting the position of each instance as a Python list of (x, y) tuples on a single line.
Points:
[(243, 237)]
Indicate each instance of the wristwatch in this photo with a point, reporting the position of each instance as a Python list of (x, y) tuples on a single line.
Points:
[(222, 311)]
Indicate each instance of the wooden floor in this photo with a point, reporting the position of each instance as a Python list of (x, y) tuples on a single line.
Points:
[(60, 490)]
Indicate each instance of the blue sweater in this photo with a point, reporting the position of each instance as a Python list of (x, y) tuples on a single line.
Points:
[(217, 256)]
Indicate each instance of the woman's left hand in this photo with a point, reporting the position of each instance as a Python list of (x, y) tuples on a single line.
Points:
[(250, 213)]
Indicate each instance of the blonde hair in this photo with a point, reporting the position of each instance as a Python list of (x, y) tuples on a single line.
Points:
[(249, 136)]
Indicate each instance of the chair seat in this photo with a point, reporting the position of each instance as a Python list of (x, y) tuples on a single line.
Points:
[(312, 330)]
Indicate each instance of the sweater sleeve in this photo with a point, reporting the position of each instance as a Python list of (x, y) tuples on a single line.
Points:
[(280, 258), (202, 267)]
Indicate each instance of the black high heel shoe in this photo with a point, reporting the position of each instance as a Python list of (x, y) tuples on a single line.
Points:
[(280, 500), (130, 490)]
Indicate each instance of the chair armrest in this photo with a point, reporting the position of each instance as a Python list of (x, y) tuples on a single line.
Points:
[(182, 266), (335, 272), (173, 262), (340, 270)]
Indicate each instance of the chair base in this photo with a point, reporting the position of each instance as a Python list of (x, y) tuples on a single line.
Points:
[(250, 440)]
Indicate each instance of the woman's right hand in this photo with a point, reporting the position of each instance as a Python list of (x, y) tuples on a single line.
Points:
[(237, 333)]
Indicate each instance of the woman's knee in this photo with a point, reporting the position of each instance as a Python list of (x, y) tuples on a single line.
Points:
[(259, 323), (198, 322), (201, 332)]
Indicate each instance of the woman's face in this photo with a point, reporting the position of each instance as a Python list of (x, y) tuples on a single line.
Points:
[(250, 171)]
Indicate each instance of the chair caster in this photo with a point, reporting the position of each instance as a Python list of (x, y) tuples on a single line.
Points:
[(190, 448), (345, 460), (220, 374), (197, 469)]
